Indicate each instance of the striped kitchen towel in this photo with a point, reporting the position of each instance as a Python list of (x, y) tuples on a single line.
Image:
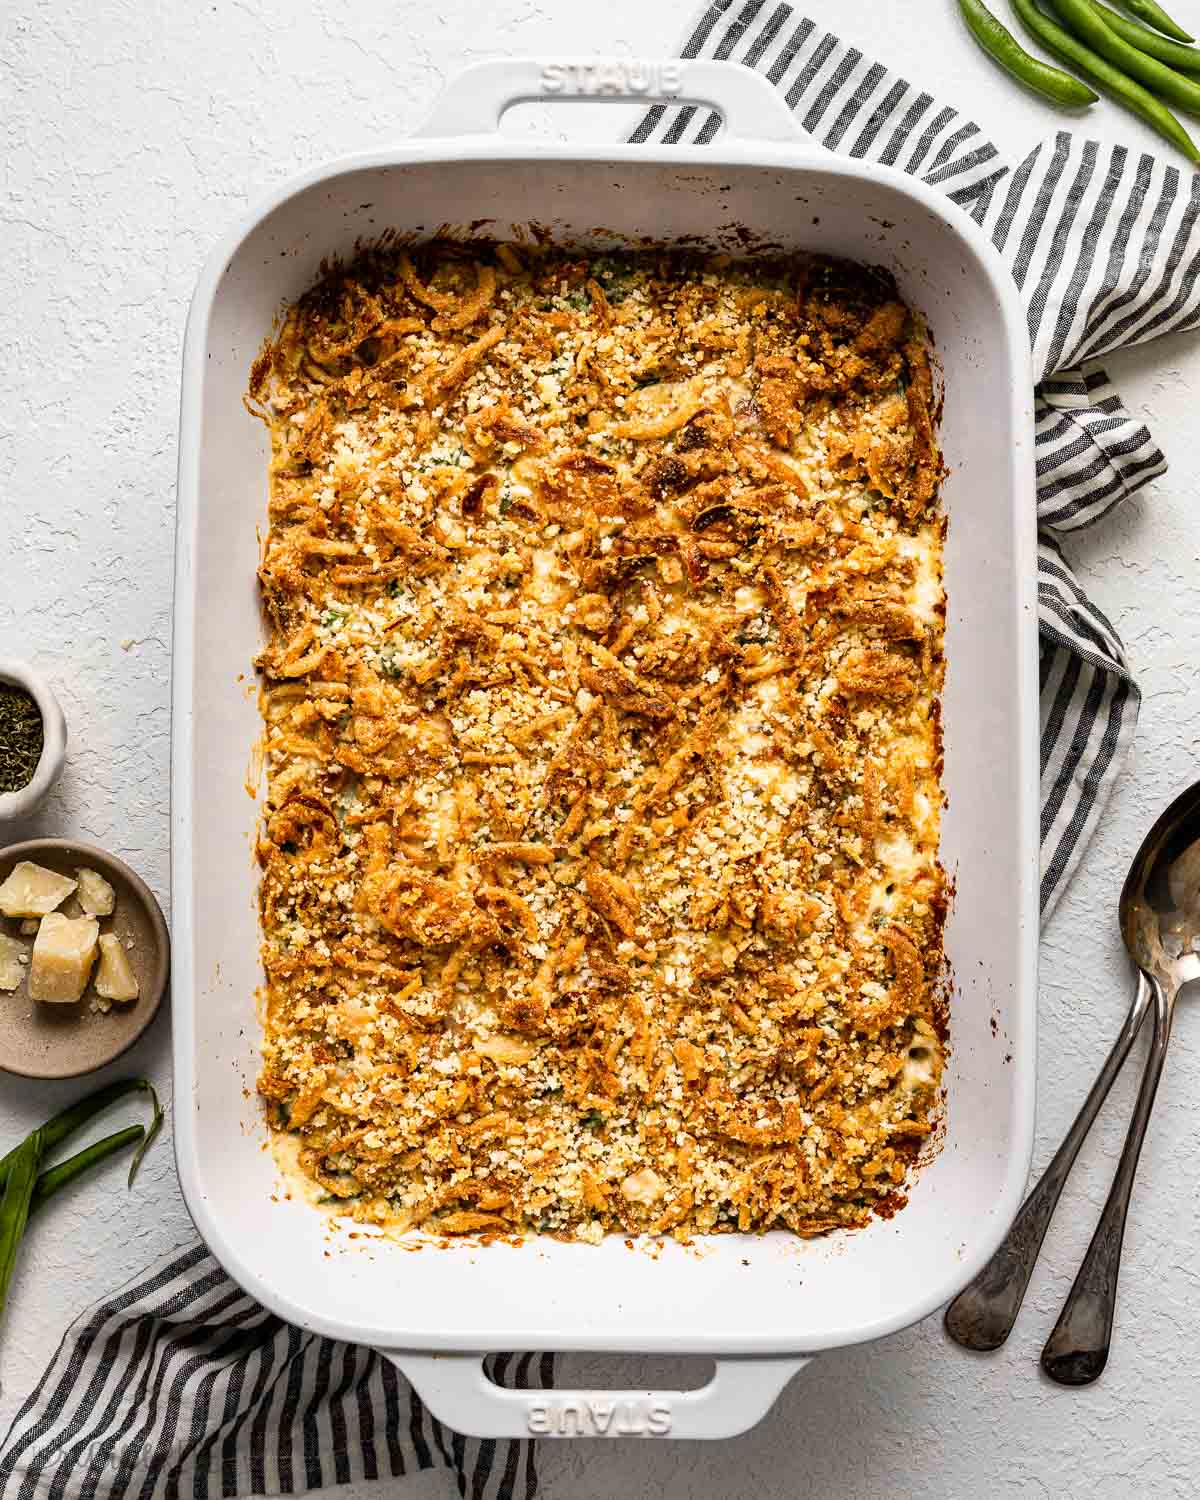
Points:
[(181, 1384)]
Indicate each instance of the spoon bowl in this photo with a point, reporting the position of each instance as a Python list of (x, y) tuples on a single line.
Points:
[(1160, 900)]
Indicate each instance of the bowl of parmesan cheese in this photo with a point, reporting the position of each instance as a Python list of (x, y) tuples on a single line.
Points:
[(84, 957)]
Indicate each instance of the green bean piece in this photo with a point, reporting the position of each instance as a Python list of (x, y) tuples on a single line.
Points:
[(1154, 15), (14, 1205), (57, 1177), (75, 1116), (1174, 54), (1105, 76), (154, 1128), (1088, 25), (999, 43)]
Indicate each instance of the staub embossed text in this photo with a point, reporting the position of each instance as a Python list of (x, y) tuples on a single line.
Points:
[(615, 76), (599, 1416)]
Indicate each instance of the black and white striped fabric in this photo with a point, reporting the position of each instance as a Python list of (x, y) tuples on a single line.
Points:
[(1105, 247), (181, 1384)]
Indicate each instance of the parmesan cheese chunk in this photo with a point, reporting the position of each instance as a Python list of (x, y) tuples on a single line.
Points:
[(31, 891), (96, 896), (13, 958), (63, 954), (115, 980)]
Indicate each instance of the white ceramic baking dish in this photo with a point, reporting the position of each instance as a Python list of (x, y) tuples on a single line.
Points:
[(760, 1306)]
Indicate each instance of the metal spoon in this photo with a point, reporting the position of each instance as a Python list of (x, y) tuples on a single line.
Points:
[(1160, 923)]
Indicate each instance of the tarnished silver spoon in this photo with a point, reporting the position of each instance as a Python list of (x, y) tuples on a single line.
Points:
[(1160, 922)]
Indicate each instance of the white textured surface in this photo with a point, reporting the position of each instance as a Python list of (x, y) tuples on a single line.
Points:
[(129, 137)]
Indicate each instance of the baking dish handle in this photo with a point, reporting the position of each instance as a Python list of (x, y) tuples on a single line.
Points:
[(459, 1393), (474, 100)]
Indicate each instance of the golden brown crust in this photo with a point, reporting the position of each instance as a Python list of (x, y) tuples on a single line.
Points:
[(599, 877)]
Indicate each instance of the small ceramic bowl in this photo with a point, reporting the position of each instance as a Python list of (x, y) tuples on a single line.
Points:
[(38, 1040), (21, 803)]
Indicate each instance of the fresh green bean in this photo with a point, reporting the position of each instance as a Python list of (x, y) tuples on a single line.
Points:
[(1174, 54), (73, 1118), (14, 1205), (998, 42), (26, 1188), (1088, 25), (154, 1127), (1154, 15), (54, 1178), (1106, 77)]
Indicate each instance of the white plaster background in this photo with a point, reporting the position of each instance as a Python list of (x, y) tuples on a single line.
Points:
[(130, 136)]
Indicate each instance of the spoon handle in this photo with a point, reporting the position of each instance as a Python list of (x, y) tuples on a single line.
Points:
[(982, 1315), (1077, 1351)]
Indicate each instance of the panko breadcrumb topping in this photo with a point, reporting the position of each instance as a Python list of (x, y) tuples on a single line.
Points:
[(600, 889)]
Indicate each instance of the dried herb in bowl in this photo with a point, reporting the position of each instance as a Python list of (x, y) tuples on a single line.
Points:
[(21, 737)]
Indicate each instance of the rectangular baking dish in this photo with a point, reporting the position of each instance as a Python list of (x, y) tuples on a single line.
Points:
[(760, 1305)]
